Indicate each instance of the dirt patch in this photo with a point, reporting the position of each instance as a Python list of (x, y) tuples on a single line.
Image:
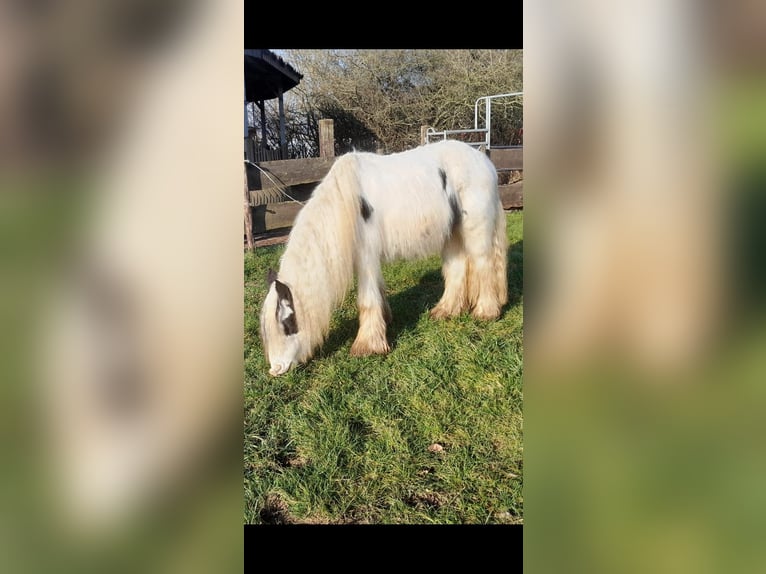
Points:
[(296, 462), (508, 517), (425, 499), (276, 511)]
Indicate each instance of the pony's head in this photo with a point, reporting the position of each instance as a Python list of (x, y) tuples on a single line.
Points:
[(282, 343)]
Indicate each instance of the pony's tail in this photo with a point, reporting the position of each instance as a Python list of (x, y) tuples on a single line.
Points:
[(499, 257)]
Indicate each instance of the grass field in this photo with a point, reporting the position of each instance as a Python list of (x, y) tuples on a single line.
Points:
[(431, 433)]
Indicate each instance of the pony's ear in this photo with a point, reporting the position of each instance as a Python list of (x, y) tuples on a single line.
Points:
[(285, 308), (271, 277), (286, 316)]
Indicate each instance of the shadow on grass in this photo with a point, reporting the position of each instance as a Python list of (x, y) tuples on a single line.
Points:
[(515, 274), (408, 306)]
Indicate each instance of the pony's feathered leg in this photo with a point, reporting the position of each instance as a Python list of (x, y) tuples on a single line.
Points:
[(454, 301), (374, 311), (486, 281)]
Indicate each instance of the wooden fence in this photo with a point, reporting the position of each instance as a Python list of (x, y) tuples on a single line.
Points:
[(299, 176)]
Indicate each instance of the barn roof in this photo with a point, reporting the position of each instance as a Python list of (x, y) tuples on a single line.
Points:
[(267, 75)]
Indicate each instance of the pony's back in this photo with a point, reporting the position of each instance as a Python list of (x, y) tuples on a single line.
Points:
[(417, 196)]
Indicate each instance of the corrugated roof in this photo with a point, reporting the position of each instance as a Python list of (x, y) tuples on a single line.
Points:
[(266, 74)]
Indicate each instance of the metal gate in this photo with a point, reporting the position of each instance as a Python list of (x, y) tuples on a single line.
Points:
[(432, 134)]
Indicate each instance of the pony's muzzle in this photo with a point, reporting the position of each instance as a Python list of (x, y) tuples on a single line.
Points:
[(279, 368)]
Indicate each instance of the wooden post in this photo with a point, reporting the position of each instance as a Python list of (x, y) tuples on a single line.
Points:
[(326, 139), (248, 217), (262, 107), (423, 137), (282, 137)]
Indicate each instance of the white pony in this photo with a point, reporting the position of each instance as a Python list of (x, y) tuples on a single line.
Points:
[(369, 208)]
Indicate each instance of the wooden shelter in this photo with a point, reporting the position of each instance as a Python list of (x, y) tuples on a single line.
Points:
[(267, 76)]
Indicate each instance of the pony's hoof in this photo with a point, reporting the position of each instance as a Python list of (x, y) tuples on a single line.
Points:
[(440, 312), (364, 349), (484, 314), (437, 313)]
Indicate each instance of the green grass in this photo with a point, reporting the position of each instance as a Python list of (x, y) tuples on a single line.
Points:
[(346, 440)]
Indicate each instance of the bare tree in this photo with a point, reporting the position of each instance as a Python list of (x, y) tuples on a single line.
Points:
[(378, 99)]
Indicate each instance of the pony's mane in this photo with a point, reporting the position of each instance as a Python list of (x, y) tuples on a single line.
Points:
[(318, 262)]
